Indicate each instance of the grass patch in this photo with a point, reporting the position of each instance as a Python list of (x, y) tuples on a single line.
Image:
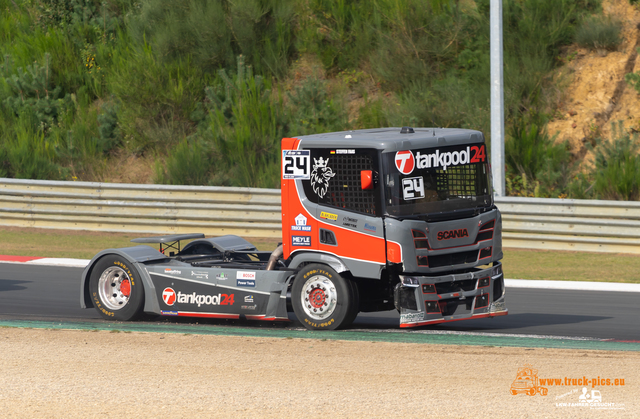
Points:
[(80, 244), (571, 266), (518, 264)]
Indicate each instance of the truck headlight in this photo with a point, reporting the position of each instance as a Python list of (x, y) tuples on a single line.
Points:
[(409, 281)]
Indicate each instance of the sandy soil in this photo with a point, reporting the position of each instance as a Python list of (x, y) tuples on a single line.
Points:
[(597, 94), (85, 374)]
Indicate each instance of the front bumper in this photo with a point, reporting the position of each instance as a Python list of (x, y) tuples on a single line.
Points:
[(423, 300)]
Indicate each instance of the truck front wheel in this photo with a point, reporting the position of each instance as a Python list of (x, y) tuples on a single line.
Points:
[(322, 299), (116, 288)]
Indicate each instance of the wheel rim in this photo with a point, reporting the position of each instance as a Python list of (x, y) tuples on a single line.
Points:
[(114, 288), (319, 297)]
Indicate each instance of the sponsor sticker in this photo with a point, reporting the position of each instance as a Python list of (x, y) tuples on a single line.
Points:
[(296, 164), (405, 162), (200, 275), (246, 282), (222, 277), (301, 224), (245, 275), (350, 222), (199, 299), (253, 307), (346, 151), (412, 188), (300, 240), (329, 216), (369, 227), (411, 317), (169, 296), (248, 298), (168, 313), (172, 271)]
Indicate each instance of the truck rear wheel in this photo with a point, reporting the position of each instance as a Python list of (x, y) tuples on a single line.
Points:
[(116, 289), (322, 299)]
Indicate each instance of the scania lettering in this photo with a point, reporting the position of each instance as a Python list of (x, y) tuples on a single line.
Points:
[(453, 234), (372, 220)]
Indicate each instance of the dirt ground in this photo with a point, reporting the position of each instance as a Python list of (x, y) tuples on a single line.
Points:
[(596, 93), (86, 374)]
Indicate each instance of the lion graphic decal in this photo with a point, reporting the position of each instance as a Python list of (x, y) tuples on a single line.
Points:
[(320, 176)]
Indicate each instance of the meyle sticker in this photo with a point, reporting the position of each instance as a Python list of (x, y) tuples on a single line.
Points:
[(222, 277), (172, 271), (248, 298), (405, 163), (253, 307), (246, 283), (329, 216), (245, 275), (412, 188), (301, 224), (320, 176), (350, 222), (300, 241), (369, 227), (295, 164), (200, 275), (169, 296)]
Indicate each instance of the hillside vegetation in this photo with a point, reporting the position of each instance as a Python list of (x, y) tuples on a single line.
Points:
[(200, 92)]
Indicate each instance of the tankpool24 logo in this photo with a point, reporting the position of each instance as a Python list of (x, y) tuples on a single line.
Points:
[(406, 162)]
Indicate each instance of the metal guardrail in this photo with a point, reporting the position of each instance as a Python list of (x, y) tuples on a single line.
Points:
[(528, 223), (148, 209)]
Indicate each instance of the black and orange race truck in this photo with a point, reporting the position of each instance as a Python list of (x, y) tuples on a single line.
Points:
[(371, 220)]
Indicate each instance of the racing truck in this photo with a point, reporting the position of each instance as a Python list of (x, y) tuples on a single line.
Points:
[(372, 220)]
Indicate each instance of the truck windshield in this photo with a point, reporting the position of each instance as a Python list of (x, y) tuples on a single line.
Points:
[(433, 181)]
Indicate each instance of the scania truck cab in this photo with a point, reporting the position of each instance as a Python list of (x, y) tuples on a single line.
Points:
[(389, 218)]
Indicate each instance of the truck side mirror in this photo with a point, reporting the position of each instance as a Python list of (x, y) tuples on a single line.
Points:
[(366, 179)]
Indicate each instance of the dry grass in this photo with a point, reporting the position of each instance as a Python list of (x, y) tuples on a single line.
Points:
[(520, 264)]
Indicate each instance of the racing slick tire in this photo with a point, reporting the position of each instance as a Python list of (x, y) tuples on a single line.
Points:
[(116, 288), (322, 299)]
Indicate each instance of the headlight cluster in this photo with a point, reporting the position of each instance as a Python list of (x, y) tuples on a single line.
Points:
[(409, 281)]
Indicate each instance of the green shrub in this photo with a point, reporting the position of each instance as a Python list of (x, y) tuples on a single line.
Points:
[(245, 121), (617, 166), (312, 111), (29, 154), (212, 33), (598, 32), (31, 88), (189, 163), (536, 166)]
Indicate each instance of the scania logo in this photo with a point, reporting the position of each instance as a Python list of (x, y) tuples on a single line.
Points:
[(169, 296), (405, 162), (453, 234)]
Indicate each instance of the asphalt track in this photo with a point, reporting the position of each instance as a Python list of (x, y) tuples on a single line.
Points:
[(42, 296)]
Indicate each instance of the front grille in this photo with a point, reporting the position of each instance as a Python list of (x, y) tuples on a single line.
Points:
[(452, 306), (453, 259), (457, 286)]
